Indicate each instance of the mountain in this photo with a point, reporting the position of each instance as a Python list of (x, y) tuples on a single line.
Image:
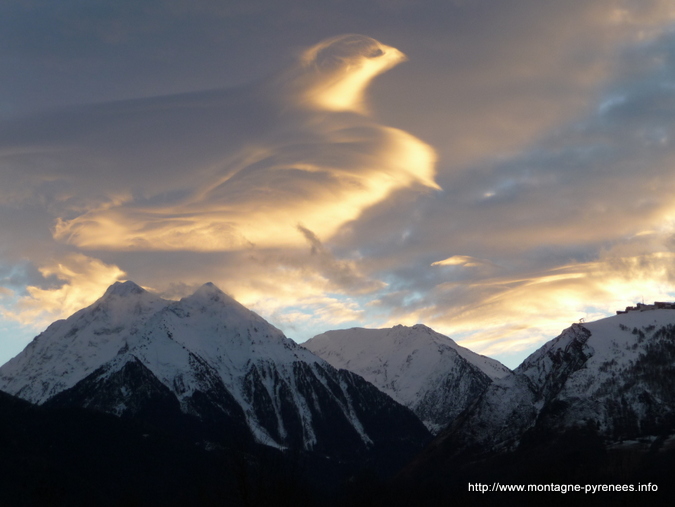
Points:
[(208, 367), (141, 401), (613, 376), (70, 456), (77, 457), (594, 405), (418, 367)]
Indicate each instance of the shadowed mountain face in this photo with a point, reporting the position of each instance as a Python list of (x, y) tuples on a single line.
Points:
[(77, 457), (69, 456), (134, 391), (594, 405), (612, 376), (211, 370)]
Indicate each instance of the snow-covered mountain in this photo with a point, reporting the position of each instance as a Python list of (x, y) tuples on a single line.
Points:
[(613, 377), (418, 367), (210, 360)]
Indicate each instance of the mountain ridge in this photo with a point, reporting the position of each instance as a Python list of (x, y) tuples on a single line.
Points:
[(610, 379), (205, 357), (595, 403)]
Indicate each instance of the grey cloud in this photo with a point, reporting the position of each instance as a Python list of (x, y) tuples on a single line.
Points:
[(342, 273)]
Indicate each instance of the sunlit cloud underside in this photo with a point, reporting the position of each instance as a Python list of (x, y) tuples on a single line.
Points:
[(315, 168)]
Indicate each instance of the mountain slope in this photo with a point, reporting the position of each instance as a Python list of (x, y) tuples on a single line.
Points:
[(596, 405), (424, 370), (207, 364), (76, 457), (70, 349), (612, 378)]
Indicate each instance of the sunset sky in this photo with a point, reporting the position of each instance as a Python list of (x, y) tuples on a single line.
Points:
[(494, 169)]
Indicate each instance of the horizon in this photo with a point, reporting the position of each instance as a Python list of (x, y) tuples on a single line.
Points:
[(512, 366)]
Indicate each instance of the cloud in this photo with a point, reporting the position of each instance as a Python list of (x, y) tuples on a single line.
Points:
[(343, 275), (312, 194), (505, 314), (340, 70), (462, 260), (308, 316), (82, 281), (577, 225), (227, 170)]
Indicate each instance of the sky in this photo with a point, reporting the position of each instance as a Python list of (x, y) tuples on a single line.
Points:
[(496, 170)]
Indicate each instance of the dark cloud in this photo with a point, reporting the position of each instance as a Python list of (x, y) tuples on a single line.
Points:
[(342, 273)]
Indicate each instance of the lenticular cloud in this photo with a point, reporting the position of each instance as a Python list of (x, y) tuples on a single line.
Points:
[(227, 170)]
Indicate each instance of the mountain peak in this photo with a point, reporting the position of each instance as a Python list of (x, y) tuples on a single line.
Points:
[(209, 287), (124, 289), (208, 294), (418, 367), (415, 327), (210, 291), (204, 358)]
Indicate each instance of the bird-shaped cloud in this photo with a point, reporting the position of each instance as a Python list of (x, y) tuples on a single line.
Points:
[(227, 170)]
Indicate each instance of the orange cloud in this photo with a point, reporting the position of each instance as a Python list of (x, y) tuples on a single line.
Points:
[(322, 168), (84, 280), (506, 314), (341, 68), (462, 260)]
